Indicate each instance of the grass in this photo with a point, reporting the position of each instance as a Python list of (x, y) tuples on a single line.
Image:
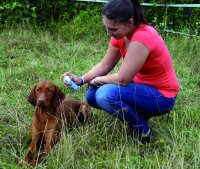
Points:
[(28, 56)]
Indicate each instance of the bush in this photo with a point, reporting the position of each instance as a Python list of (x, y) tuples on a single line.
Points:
[(86, 23), (43, 13), (176, 18), (16, 12), (39, 12)]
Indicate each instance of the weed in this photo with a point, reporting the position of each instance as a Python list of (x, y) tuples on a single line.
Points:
[(27, 56)]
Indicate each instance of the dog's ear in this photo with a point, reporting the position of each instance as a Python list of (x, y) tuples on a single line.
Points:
[(59, 96), (32, 97)]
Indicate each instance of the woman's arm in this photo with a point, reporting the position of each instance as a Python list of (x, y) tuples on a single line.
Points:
[(108, 62), (136, 56)]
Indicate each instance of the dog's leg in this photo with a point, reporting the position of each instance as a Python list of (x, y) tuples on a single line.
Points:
[(50, 139), (32, 146)]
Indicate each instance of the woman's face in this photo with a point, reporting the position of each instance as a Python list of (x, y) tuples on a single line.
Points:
[(116, 29)]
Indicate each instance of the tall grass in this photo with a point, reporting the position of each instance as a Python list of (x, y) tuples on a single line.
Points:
[(28, 56)]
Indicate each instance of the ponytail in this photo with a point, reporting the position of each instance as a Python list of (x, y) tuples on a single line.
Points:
[(138, 15), (123, 10)]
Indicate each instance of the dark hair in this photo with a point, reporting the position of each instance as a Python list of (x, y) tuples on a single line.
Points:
[(123, 10)]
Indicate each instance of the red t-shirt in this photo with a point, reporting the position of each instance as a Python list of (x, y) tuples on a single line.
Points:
[(157, 70)]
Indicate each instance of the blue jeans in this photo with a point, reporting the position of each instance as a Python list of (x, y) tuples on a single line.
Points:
[(135, 103)]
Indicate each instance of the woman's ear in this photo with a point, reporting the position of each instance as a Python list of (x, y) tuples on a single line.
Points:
[(131, 22)]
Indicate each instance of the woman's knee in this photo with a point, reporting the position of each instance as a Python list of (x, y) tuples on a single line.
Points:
[(105, 94), (90, 97)]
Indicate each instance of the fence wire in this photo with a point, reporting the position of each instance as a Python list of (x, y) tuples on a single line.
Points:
[(176, 18)]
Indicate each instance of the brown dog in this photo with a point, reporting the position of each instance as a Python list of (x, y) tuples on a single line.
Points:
[(53, 111)]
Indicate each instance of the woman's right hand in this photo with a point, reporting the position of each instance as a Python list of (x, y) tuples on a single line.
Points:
[(72, 76)]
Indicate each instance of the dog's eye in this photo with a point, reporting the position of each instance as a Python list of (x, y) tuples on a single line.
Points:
[(37, 90), (50, 91)]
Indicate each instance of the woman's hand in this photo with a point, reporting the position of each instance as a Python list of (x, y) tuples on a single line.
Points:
[(72, 76), (96, 81)]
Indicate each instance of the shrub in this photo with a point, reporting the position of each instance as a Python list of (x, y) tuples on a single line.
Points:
[(43, 13)]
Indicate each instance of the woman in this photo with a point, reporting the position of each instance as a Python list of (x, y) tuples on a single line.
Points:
[(145, 84)]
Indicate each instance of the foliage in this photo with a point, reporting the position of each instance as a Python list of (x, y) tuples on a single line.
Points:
[(176, 18), (15, 12), (42, 12), (86, 23)]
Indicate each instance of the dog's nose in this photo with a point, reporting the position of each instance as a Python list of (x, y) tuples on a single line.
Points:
[(40, 103)]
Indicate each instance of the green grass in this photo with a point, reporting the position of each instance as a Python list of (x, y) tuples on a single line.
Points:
[(28, 56)]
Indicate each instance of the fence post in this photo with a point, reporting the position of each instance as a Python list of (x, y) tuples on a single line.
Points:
[(165, 25)]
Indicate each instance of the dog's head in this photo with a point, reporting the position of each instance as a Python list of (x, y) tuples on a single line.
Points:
[(45, 94)]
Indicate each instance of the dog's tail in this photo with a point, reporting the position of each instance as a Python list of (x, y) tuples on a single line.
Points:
[(85, 114)]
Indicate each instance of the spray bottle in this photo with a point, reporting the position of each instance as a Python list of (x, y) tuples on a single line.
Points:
[(70, 83)]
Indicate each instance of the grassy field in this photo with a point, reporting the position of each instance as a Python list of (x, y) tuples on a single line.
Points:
[(28, 56)]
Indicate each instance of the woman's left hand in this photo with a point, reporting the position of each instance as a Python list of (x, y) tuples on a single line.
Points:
[(96, 82)]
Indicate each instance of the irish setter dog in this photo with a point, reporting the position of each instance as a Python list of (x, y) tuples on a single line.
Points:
[(53, 111)]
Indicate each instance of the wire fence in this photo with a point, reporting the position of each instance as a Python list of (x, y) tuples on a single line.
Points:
[(172, 15)]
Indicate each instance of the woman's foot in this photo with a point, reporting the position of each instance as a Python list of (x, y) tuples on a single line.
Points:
[(144, 138)]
